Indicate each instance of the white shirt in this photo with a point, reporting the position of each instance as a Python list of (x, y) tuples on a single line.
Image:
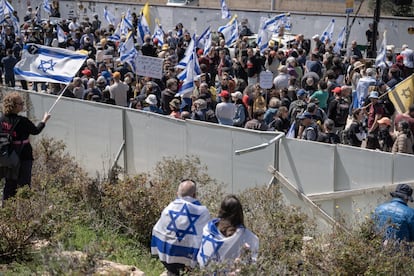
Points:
[(225, 113)]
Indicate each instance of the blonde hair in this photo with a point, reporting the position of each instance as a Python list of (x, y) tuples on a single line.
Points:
[(10, 102)]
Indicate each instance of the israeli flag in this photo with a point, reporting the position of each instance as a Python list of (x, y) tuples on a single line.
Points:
[(225, 13), (60, 34), (230, 31), (204, 41), (215, 247), (116, 36), (292, 131), (129, 20), (128, 53), (47, 7), (48, 64), (159, 34), (361, 91), (263, 36), (267, 27), (273, 24), (176, 237), (327, 34), (110, 18), (6, 7), (183, 63), (16, 25), (126, 23), (380, 60), (340, 42), (287, 23), (191, 70), (142, 29)]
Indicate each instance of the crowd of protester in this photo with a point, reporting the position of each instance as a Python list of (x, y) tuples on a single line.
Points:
[(313, 96)]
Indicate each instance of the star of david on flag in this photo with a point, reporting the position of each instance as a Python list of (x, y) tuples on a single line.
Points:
[(183, 215), (48, 64), (210, 249)]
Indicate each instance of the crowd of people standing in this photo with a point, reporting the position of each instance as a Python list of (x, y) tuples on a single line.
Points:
[(314, 92)]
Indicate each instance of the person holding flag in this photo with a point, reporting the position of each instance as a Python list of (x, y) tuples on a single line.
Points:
[(20, 128)]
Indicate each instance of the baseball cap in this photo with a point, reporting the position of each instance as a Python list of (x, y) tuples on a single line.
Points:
[(337, 90), (305, 115), (224, 94)]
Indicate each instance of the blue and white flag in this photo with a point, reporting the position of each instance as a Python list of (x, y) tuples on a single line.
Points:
[(48, 64), (110, 18), (274, 24), (176, 237), (361, 91), (183, 63), (47, 7), (6, 7), (116, 36), (268, 26), (204, 41), (128, 53), (263, 36), (225, 13), (191, 70), (159, 34), (287, 23), (381, 59), (292, 131), (215, 247), (126, 23), (340, 41), (60, 34), (142, 29), (328, 33), (16, 25), (230, 31)]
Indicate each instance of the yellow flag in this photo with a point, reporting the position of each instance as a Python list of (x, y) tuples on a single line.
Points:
[(146, 12), (402, 95)]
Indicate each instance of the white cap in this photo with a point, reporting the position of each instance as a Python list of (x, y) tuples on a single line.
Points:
[(315, 37)]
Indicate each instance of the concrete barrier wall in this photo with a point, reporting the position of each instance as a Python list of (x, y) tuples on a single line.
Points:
[(344, 181)]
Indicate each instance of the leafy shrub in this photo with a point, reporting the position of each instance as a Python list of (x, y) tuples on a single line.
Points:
[(18, 225), (360, 252), (134, 205)]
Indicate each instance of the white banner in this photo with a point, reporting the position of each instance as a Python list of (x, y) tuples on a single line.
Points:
[(149, 66)]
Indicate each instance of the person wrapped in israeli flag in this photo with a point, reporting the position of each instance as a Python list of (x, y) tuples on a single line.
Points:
[(176, 237), (48, 64), (226, 238)]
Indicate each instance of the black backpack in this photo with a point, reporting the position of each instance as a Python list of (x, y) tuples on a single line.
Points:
[(9, 158)]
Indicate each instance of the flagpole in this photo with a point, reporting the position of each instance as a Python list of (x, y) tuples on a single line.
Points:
[(389, 89), (60, 96)]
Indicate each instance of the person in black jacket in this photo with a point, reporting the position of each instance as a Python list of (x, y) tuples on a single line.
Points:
[(23, 127)]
